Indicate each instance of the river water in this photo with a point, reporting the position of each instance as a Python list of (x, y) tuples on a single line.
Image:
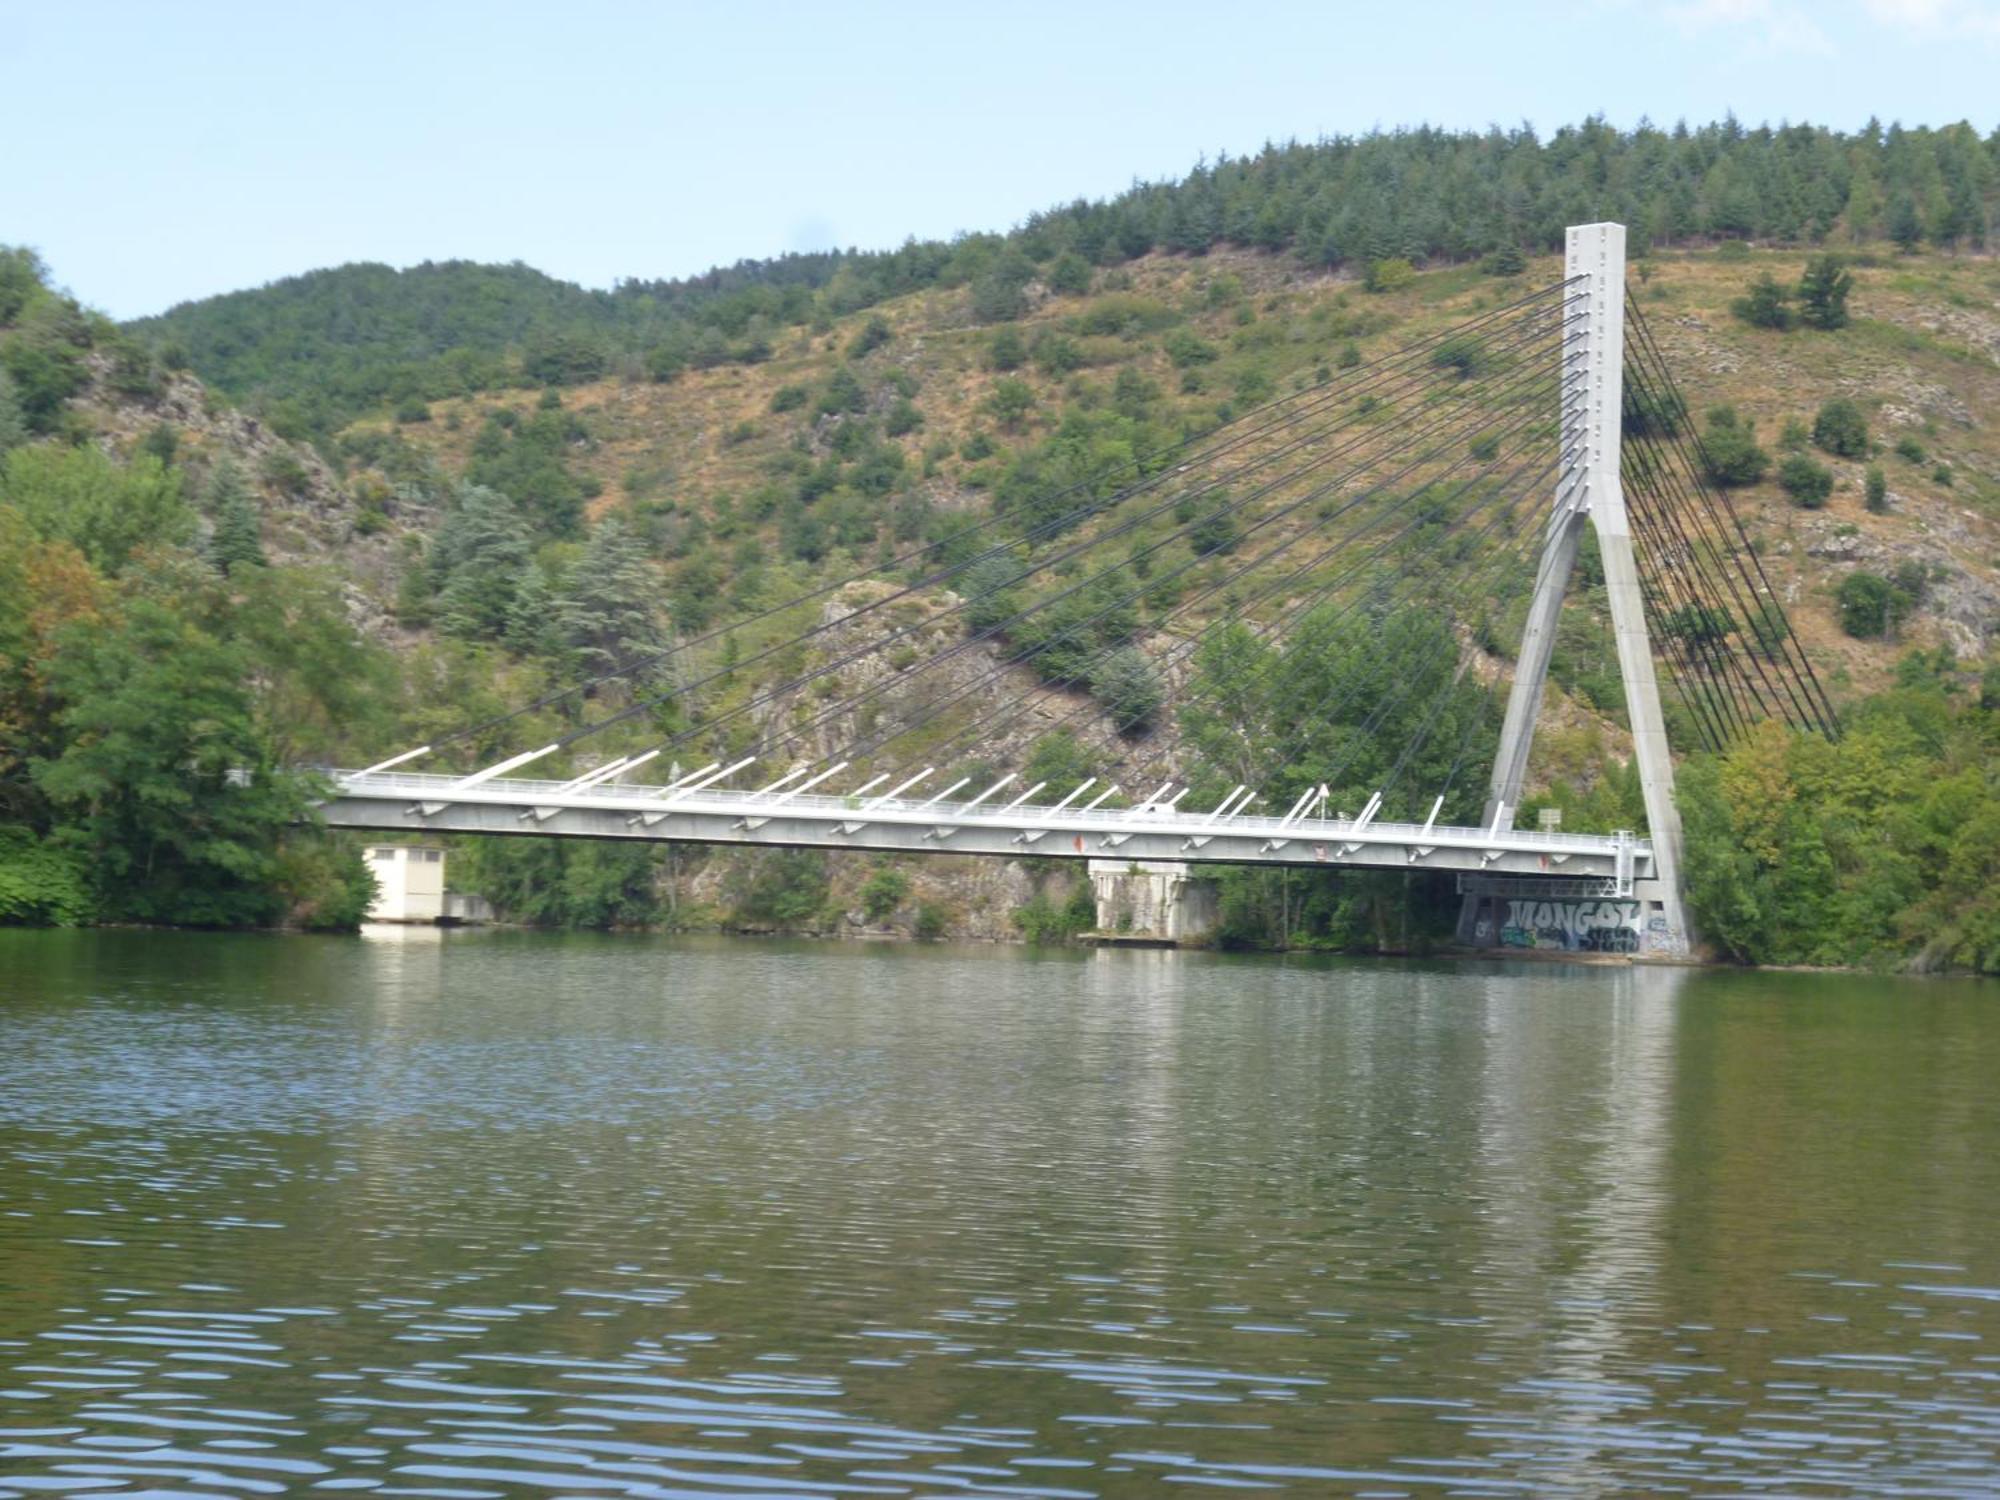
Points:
[(495, 1214)]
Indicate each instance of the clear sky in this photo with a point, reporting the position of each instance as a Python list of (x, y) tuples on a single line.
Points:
[(157, 152)]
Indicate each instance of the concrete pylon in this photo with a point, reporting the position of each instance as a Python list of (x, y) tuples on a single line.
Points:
[(1593, 383)]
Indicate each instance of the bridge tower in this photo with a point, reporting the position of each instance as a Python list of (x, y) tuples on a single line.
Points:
[(1590, 493)]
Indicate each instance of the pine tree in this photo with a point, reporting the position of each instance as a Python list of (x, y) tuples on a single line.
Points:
[(13, 426), (609, 615), (1906, 227), (237, 541), (532, 627), (1768, 305), (1823, 292), (478, 563)]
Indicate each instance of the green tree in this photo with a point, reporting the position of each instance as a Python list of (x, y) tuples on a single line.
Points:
[(1215, 533), (1875, 493), (13, 424), (1766, 305), (528, 460), (1128, 686), (1390, 274), (1007, 351), (873, 335), (1808, 483), (1729, 449), (165, 784), (1061, 759), (106, 509), (1070, 275), (42, 884), (571, 883), (783, 888), (477, 563), (1841, 428), (1906, 225), (237, 540), (990, 588), (1867, 605), (882, 892), (1823, 290), (609, 615), (999, 294), (843, 393), (1010, 402)]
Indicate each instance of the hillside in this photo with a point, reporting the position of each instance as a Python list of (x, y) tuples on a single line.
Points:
[(693, 462), (317, 349), (664, 466)]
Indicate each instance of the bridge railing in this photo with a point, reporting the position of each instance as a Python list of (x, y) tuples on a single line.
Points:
[(527, 792)]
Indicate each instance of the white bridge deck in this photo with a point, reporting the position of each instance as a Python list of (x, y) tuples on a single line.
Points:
[(416, 803)]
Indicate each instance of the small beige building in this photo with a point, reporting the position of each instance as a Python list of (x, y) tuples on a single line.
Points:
[(409, 880)]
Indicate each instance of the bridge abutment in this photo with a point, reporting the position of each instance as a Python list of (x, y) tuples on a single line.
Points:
[(1162, 901), (1571, 916)]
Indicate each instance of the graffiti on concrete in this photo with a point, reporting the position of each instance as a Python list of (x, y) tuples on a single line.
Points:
[(1573, 926)]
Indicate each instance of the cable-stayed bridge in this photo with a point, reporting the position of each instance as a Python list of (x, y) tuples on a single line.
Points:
[(1330, 597)]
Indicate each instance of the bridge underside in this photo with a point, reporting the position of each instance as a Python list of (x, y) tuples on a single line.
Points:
[(435, 804)]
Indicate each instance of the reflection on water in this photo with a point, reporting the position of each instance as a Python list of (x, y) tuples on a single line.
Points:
[(490, 1214)]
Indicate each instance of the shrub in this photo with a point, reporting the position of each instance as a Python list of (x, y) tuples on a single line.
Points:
[(664, 362), (843, 393), (1057, 354), (1011, 402), (931, 922), (1907, 447), (1461, 356), (1867, 605), (1007, 351), (999, 296), (44, 374), (789, 398), (882, 892), (1876, 492), (1215, 533), (1186, 348), (1506, 261), (561, 359), (1795, 435), (1767, 305), (1044, 920), (873, 335), (412, 409), (1942, 474), (1390, 275), (41, 884), (1729, 449), (1070, 275), (903, 418), (133, 372), (780, 888), (1128, 687), (1841, 428), (1647, 413), (162, 441), (1806, 481), (1700, 623)]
